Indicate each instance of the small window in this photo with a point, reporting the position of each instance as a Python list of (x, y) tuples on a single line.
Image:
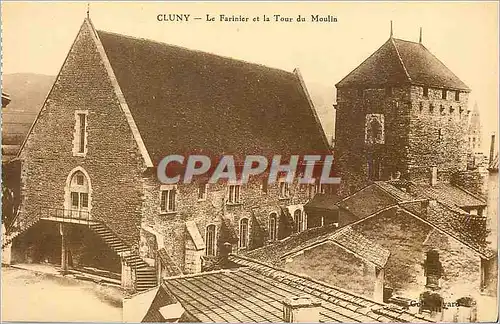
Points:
[(168, 200), (431, 108), (80, 139), (273, 227), (457, 95), (443, 94), (234, 194), (284, 189), (388, 91), (452, 109), (202, 191), (361, 92), (421, 106), (299, 220), (440, 135), (244, 233), (460, 110), (441, 109), (426, 92), (210, 240)]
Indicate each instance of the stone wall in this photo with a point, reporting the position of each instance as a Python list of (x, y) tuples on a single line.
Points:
[(409, 239), (336, 266), (113, 161), (420, 132), (256, 205), (437, 132)]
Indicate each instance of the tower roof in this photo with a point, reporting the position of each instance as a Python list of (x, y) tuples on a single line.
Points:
[(399, 61)]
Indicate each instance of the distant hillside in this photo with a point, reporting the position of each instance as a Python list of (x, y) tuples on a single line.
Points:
[(27, 91), (323, 98)]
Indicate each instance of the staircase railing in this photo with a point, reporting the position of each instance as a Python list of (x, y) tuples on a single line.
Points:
[(65, 215)]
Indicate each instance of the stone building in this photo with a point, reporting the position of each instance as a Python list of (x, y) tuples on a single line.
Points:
[(400, 114), (89, 194)]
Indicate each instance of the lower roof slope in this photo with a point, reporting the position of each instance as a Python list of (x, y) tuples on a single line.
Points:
[(185, 102), (255, 291)]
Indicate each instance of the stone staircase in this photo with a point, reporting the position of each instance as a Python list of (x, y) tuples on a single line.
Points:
[(145, 274)]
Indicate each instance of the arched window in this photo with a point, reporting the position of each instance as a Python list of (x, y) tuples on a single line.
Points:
[(78, 200), (244, 233), (273, 223), (299, 220), (210, 239)]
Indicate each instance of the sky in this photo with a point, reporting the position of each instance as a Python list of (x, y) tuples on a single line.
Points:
[(36, 36)]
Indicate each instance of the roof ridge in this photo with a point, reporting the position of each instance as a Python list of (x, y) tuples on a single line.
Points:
[(360, 64), (444, 65), (432, 224), (194, 50), (400, 59)]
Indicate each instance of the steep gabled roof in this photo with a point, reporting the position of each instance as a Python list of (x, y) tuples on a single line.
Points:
[(185, 101), (399, 61)]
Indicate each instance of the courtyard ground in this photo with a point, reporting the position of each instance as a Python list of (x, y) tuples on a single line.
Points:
[(44, 296)]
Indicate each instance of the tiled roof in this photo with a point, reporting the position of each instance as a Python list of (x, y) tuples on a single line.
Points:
[(323, 201), (447, 193), (254, 293), (190, 102), (273, 253), (397, 62), (452, 223), (350, 240), (367, 201)]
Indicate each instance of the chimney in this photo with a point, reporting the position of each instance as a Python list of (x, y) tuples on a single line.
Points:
[(225, 250), (434, 175), (492, 149), (301, 309)]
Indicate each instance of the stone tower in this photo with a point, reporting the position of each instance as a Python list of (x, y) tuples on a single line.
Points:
[(400, 113), (474, 135)]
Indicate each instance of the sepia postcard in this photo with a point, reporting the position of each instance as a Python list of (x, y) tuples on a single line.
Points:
[(249, 161)]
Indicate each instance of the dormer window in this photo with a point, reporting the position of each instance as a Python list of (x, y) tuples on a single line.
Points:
[(80, 133)]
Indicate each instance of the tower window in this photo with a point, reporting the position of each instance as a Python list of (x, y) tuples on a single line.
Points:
[(421, 106), (443, 94), (460, 110), (431, 108), (452, 109), (440, 135), (457, 95), (441, 109), (426, 92)]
